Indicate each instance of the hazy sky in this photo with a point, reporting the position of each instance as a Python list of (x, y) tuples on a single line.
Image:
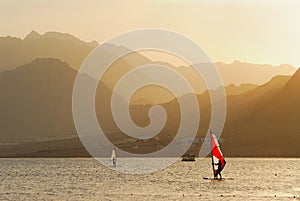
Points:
[(252, 31)]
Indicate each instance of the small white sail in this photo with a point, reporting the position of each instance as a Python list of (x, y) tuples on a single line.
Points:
[(113, 158)]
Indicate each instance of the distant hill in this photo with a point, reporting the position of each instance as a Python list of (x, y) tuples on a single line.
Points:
[(234, 90), (36, 101), (15, 51), (263, 122), (242, 72)]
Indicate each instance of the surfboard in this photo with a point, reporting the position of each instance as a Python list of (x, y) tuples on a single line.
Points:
[(210, 178), (213, 179)]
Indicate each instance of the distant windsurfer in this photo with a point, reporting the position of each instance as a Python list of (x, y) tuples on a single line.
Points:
[(113, 158)]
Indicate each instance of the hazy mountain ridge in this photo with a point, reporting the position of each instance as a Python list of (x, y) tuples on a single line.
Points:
[(33, 35), (234, 90), (243, 72), (15, 51), (36, 101), (37, 97), (266, 124)]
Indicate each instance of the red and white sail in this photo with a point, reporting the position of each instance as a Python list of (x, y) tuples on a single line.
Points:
[(217, 156)]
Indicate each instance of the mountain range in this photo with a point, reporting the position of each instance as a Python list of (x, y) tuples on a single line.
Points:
[(36, 82), (16, 52)]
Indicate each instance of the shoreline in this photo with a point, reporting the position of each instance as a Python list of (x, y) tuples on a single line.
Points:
[(235, 157)]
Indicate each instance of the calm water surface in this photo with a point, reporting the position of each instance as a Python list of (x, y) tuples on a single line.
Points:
[(86, 179)]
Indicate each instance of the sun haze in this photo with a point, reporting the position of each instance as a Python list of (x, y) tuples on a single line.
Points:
[(261, 32)]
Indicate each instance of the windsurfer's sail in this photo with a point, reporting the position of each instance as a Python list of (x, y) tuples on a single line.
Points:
[(113, 158), (218, 161)]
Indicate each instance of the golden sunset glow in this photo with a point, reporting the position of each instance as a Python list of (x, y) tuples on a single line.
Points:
[(251, 31)]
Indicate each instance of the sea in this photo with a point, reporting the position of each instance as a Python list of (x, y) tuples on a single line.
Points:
[(86, 179)]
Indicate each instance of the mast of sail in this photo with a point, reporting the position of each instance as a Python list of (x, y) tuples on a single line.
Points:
[(212, 157)]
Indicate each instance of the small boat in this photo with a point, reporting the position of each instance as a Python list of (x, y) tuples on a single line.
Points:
[(188, 157)]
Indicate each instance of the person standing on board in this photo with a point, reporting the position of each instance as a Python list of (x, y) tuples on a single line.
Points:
[(220, 165)]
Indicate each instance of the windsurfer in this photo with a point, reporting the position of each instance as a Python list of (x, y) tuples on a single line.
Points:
[(113, 158), (216, 155)]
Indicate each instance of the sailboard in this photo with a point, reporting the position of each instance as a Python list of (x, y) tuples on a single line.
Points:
[(213, 179), (218, 160), (113, 158)]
